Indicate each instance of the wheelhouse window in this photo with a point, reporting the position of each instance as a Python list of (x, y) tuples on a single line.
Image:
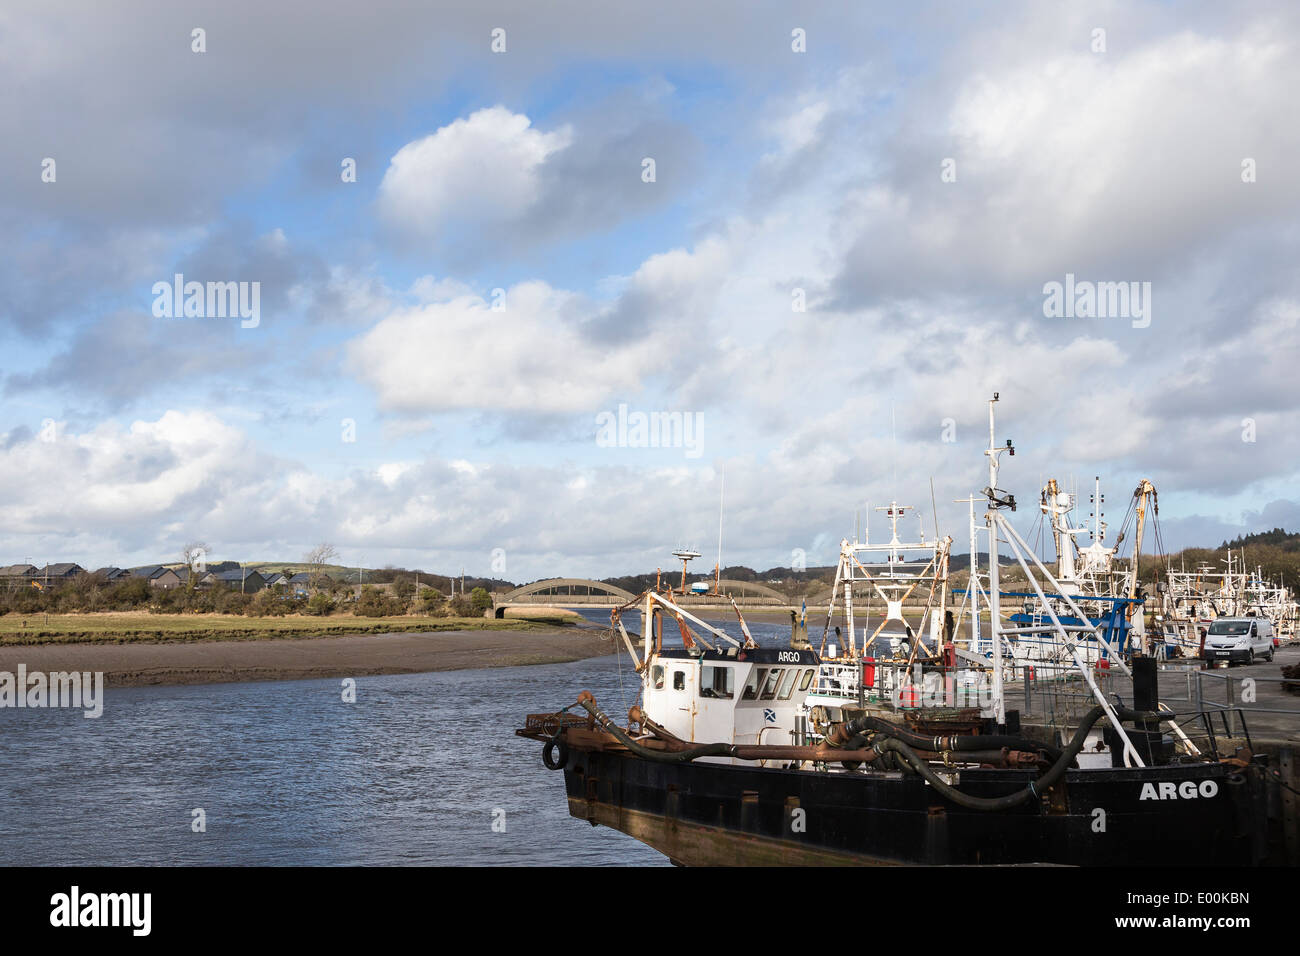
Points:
[(657, 675), (679, 680), (773, 679), (787, 683), (807, 679), (718, 682), (755, 681)]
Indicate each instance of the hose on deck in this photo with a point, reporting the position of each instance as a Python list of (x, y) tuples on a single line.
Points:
[(853, 735), (1036, 787), (588, 703), (891, 748)]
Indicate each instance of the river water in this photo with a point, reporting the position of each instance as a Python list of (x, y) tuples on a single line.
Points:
[(416, 771)]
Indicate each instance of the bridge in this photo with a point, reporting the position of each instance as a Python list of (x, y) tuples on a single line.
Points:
[(582, 592), (566, 592)]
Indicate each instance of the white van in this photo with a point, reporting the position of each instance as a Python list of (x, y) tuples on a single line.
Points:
[(1239, 639)]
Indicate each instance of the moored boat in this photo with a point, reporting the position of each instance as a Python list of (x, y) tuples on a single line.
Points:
[(720, 763)]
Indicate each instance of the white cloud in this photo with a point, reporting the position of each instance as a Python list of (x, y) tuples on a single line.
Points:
[(484, 167), (107, 475), (531, 356), (1064, 158)]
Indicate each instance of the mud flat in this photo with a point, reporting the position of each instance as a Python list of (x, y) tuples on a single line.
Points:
[(353, 655)]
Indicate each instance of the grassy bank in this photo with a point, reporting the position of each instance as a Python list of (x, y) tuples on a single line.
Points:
[(125, 627)]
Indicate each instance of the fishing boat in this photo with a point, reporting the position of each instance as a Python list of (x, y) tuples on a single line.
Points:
[(718, 763), (1191, 600), (1090, 579)]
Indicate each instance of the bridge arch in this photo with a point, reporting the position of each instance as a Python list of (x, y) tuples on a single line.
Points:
[(583, 592), (751, 589), (564, 588)]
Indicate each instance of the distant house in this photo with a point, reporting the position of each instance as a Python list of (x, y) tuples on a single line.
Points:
[(240, 579), (55, 574), (158, 576), (17, 575), (301, 583), (274, 578), (111, 575)]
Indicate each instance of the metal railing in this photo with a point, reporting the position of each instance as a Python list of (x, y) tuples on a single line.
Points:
[(1060, 698), (1234, 696), (920, 687)]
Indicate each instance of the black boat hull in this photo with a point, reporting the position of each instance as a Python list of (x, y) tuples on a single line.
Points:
[(703, 814)]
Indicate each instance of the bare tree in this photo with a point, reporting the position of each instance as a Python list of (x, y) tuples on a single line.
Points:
[(194, 556), (317, 558)]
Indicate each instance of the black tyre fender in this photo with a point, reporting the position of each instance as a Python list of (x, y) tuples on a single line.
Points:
[(555, 754)]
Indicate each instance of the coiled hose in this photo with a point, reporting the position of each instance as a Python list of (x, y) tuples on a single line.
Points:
[(676, 756), (894, 749), (1036, 787), (852, 736)]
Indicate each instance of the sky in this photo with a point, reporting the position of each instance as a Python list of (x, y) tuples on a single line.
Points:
[(821, 237)]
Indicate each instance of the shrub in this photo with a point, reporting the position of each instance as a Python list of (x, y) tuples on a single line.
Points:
[(199, 602), (28, 601), (319, 605), (128, 593), (480, 600), (266, 603), (375, 603), (232, 602), (432, 601), (169, 601)]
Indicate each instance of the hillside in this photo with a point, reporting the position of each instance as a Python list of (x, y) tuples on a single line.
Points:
[(1276, 553)]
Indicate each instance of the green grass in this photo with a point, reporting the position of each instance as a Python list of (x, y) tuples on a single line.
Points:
[(123, 628)]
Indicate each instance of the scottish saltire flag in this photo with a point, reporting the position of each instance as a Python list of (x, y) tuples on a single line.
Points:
[(769, 715)]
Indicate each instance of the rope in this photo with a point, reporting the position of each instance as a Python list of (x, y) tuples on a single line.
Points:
[(1280, 781)]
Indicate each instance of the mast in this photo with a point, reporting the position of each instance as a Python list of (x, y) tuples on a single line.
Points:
[(972, 589), (717, 568), (1145, 490), (1097, 533), (990, 518), (976, 639)]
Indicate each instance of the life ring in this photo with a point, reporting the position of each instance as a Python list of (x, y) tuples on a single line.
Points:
[(555, 754)]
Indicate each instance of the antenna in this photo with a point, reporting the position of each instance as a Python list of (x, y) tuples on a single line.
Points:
[(722, 498), (893, 427), (934, 509), (685, 555)]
